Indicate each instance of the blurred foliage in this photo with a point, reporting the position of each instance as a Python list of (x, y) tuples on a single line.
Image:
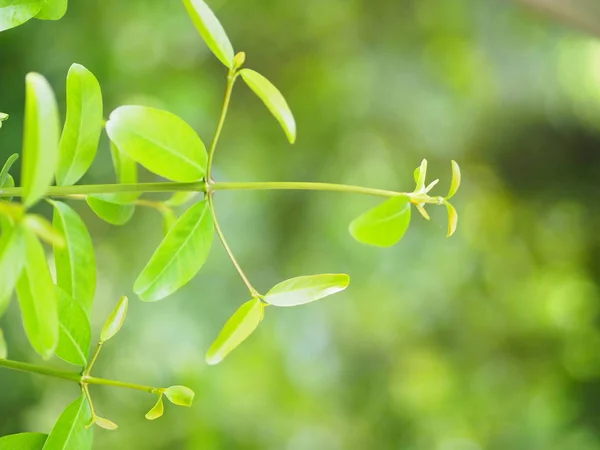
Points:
[(488, 340)]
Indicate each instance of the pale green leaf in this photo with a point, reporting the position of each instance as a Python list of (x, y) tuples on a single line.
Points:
[(159, 141), (44, 230), (71, 431), (12, 261), (3, 347), (53, 10), (16, 12), (37, 298), (75, 332), (423, 211), (180, 395), (4, 173), (301, 290), (420, 176), (105, 423), (115, 321), (83, 125), (75, 262), (3, 118), (40, 140), (211, 30), (384, 225), (23, 441), (455, 183), (113, 213), (157, 410), (237, 329), (452, 219), (273, 99), (179, 256)]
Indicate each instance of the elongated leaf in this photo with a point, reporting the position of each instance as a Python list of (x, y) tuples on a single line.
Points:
[(179, 256), (455, 183), (35, 291), (3, 347), (420, 175), (23, 441), (383, 225), (6, 168), (273, 99), (70, 431), (16, 12), (75, 333), (44, 230), (81, 133), (211, 30), (113, 213), (12, 261), (301, 290), (115, 321), (40, 141), (452, 219), (159, 141), (157, 410), (75, 262), (237, 329), (53, 10), (180, 395)]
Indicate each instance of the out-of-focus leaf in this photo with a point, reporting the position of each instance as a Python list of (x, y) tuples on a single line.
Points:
[(180, 198), (4, 173), (383, 225), (3, 347), (3, 118), (12, 261), (211, 30), (16, 12), (273, 99), (75, 332), (583, 14), (113, 213), (179, 256), (44, 230), (180, 395), (452, 219), (159, 141), (115, 321), (23, 441), (53, 10), (157, 410), (40, 140), (70, 431), (455, 183), (237, 329), (83, 124), (301, 290)]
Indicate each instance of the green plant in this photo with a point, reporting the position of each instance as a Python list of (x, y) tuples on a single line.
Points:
[(56, 311)]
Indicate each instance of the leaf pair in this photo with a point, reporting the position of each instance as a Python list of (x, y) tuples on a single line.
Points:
[(178, 395), (16, 12)]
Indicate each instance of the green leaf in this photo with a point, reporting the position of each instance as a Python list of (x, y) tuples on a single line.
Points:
[(40, 141), (44, 230), (75, 262), (157, 410), (3, 347), (110, 212), (35, 291), (159, 141), (452, 219), (12, 261), (105, 423), (211, 30), (53, 10), (23, 441), (6, 168), (180, 395), (3, 118), (70, 431), (75, 332), (179, 256), (83, 125), (455, 183), (169, 219), (301, 290), (180, 198), (273, 99), (421, 175), (115, 321), (16, 12), (384, 225), (237, 329)]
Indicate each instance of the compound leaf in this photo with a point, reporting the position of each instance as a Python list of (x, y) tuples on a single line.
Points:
[(301, 290), (384, 225)]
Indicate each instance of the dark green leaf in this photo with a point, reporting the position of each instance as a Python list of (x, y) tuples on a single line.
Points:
[(115, 321), (179, 256), (301, 290), (12, 261), (180, 395), (16, 12), (273, 99), (40, 141), (383, 225), (157, 410), (159, 141), (81, 133), (237, 329), (53, 10), (44, 230), (23, 441), (211, 30), (70, 431), (75, 332)]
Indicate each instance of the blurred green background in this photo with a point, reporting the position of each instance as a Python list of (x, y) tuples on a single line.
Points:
[(488, 340)]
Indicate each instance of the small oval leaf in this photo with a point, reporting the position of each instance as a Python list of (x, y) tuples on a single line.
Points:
[(105, 423), (455, 183), (452, 219), (16, 12), (384, 225), (71, 431), (115, 321), (273, 99), (180, 395), (113, 213), (12, 262), (23, 441), (237, 329), (157, 410), (75, 332), (302, 290), (53, 10)]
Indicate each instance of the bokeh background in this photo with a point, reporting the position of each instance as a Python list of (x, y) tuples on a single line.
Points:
[(488, 340)]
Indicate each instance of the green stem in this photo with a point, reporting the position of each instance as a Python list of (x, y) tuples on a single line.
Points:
[(211, 152), (121, 384), (89, 367), (302, 186)]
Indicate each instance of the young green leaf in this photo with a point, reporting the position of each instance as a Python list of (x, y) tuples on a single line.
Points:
[(237, 329), (211, 30), (16, 12), (273, 99), (40, 140), (180, 395), (452, 219), (23, 441), (157, 410), (3, 118), (159, 141), (83, 125), (105, 423), (301, 290), (75, 262), (53, 10), (12, 261), (75, 333), (70, 431), (115, 321), (384, 225), (3, 347), (6, 168), (420, 175), (113, 213), (37, 298), (44, 230), (455, 183), (179, 256)]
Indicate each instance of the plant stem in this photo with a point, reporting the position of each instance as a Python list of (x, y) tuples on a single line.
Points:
[(121, 384), (211, 152), (90, 365), (302, 186)]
